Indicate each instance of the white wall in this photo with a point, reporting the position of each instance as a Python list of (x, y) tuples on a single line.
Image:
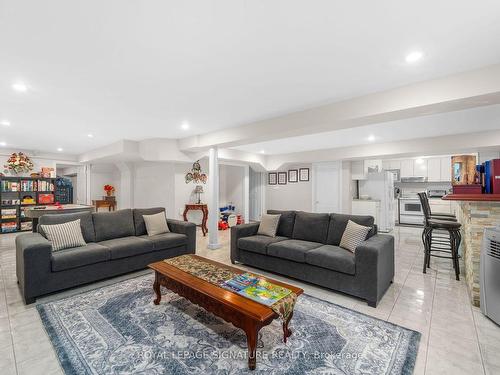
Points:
[(154, 186), (292, 196), (100, 175), (231, 188)]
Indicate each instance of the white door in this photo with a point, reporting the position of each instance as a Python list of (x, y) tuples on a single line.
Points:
[(256, 194), (327, 191)]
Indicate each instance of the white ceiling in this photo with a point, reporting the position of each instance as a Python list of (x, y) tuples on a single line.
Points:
[(135, 70), (458, 122)]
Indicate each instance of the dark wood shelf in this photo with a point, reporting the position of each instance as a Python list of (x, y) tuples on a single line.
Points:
[(473, 197)]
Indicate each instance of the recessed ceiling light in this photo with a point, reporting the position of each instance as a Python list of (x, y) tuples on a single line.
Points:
[(90, 135), (59, 149), (262, 151), (20, 87), (371, 138), (413, 57), (5, 123), (185, 126), (3, 144)]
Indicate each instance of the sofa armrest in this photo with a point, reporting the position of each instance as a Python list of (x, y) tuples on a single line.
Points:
[(240, 231), (375, 265), (33, 254), (187, 228)]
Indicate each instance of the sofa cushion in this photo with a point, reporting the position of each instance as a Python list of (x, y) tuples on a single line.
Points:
[(80, 256), (109, 225), (127, 246), (354, 235), (292, 249), (140, 226), (333, 258), (311, 227), (258, 244), (64, 236), (338, 223), (156, 224), (268, 225), (86, 223), (285, 226), (166, 240)]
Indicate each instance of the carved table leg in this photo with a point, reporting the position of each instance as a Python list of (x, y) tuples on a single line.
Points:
[(156, 288), (252, 335), (204, 222), (184, 214), (287, 332)]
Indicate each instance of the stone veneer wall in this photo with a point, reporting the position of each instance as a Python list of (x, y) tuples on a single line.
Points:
[(475, 216)]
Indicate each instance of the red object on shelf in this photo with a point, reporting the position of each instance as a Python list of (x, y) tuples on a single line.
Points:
[(223, 225), (495, 176), (468, 189), (45, 198)]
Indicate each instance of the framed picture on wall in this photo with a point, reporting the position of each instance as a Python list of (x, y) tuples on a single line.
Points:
[(293, 175), (304, 174), (272, 178), (281, 178)]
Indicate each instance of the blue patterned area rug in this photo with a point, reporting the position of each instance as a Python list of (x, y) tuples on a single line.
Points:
[(118, 330)]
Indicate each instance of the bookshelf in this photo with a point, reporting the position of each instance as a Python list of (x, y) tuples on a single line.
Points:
[(17, 193)]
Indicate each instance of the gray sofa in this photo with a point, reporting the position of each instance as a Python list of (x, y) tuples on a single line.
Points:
[(117, 243), (307, 248)]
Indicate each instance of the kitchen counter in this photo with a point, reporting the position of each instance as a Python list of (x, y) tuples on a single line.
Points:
[(474, 212)]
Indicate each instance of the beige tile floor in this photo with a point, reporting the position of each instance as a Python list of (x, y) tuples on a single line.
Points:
[(456, 337)]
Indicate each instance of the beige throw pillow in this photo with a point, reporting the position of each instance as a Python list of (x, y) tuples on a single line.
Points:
[(65, 235), (156, 224), (354, 235), (269, 225)]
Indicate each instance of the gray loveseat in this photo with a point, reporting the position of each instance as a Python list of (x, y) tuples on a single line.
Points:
[(307, 248), (117, 243)]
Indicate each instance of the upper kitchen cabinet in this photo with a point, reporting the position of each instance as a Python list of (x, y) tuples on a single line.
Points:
[(406, 168), (434, 169), (358, 170), (446, 169), (420, 168), (391, 164), (361, 168)]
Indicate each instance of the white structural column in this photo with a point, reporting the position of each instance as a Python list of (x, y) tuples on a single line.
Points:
[(213, 209)]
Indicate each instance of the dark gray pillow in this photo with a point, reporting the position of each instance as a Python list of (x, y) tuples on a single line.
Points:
[(117, 224), (311, 227), (338, 223), (140, 226), (86, 223), (287, 220)]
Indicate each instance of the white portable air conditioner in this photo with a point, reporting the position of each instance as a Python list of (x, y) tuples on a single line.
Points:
[(489, 278)]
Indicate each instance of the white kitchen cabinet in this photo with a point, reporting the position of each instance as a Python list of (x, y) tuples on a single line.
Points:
[(366, 207), (420, 168), (407, 168), (373, 166), (395, 164), (434, 169), (386, 164), (358, 170), (446, 169)]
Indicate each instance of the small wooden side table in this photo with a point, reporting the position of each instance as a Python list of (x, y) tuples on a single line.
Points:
[(198, 207), (104, 203)]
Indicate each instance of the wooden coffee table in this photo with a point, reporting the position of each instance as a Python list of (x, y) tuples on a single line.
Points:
[(242, 312)]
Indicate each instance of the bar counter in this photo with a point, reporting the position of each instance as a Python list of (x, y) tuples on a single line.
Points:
[(474, 212)]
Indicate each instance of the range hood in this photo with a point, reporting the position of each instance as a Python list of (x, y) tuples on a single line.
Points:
[(413, 179)]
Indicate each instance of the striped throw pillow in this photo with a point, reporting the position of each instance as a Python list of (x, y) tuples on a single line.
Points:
[(354, 235), (64, 236)]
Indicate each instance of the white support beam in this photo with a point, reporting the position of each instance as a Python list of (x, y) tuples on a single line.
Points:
[(213, 205), (460, 91)]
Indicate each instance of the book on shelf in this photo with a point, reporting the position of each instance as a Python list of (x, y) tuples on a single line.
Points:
[(257, 289), (26, 225), (9, 186)]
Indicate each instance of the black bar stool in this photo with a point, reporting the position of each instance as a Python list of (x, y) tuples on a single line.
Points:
[(441, 235)]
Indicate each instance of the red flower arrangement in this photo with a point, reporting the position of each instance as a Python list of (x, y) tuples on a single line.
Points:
[(18, 163), (109, 189)]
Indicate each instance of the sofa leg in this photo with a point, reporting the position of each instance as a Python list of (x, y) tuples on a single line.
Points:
[(233, 261), (29, 301), (372, 303)]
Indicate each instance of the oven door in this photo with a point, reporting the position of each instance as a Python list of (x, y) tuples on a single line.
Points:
[(410, 207)]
